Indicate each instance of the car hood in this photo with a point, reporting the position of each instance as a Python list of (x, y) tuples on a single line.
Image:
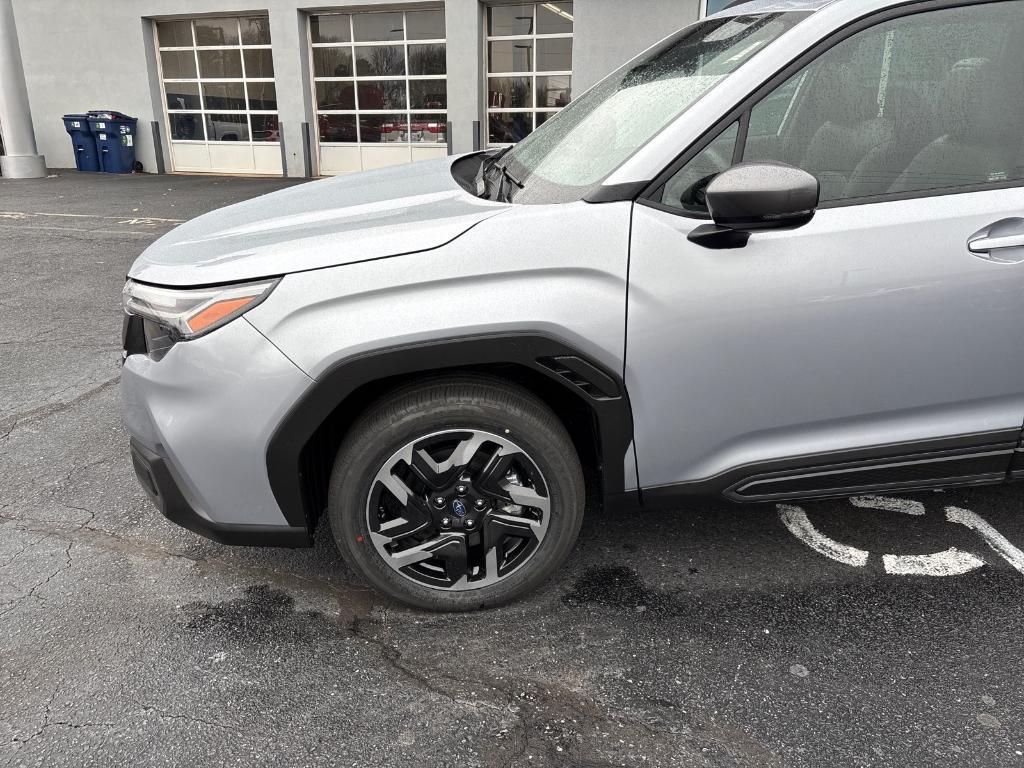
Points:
[(371, 215)]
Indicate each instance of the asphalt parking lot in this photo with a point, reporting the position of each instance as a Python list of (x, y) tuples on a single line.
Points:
[(875, 633)]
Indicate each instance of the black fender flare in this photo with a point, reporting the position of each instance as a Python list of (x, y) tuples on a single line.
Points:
[(600, 389)]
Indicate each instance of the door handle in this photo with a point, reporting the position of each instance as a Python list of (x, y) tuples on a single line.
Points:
[(1002, 242)]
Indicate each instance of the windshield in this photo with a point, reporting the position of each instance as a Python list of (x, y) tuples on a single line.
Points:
[(576, 149)]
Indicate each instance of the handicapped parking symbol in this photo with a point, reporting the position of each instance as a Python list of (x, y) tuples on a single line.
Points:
[(949, 562)]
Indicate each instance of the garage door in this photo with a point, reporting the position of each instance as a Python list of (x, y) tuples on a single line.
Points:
[(217, 76), (379, 88)]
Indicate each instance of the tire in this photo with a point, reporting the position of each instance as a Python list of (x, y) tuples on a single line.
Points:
[(417, 423)]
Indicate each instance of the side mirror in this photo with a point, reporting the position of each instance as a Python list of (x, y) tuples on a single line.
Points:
[(756, 196)]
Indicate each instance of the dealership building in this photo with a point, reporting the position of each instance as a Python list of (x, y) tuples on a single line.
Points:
[(281, 88)]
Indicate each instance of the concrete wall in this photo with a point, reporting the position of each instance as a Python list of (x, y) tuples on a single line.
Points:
[(99, 54), (610, 32)]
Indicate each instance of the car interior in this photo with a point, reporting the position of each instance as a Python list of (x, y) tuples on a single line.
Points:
[(909, 105)]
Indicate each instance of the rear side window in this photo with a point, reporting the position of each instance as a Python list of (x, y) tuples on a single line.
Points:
[(931, 101)]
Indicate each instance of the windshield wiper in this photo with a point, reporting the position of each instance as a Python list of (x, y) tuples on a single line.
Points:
[(490, 161), (486, 175), (506, 176)]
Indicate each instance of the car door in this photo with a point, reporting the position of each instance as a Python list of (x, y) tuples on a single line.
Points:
[(878, 346)]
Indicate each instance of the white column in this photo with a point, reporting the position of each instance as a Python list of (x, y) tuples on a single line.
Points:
[(291, 52), (21, 159), (464, 29)]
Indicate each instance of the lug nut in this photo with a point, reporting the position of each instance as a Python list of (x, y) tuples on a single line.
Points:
[(470, 522), (461, 489), (480, 504), (439, 501), (446, 522)]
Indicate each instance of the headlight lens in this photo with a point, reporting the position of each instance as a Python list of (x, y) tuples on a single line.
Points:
[(191, 312)]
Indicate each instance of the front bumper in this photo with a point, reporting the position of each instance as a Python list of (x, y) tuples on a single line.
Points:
[(157, 478), (200, 419)]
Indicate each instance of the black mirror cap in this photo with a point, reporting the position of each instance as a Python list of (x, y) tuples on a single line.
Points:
[(756, 196)]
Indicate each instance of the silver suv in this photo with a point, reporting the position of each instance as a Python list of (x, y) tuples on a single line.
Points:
[(779, 255)]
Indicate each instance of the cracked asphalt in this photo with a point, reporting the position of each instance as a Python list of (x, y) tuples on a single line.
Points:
[(707, 636)]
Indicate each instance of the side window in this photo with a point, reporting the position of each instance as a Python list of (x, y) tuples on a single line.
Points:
[(924, 102), (686, 189), (927, 101)]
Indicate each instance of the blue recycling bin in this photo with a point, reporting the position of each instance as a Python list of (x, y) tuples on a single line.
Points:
[(115, 140), (82, 141)]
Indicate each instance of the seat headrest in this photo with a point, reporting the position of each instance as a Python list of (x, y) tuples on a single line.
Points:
[(972, 103)]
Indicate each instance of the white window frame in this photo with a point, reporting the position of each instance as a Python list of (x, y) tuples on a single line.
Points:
[(355, 79), (199, 81), (531, 75)]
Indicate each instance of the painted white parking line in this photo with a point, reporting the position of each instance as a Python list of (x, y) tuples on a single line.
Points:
[(999, 543), (952, 562), (906, 506), (21, 215), (796, 520)]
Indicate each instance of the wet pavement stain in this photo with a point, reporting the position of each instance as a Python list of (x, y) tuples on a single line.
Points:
[(615, 587), (262, 614)]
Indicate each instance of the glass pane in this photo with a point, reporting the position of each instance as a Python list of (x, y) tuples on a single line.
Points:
[(427, 129), (223, 96), (382, 94), (371, 27), (337, 127), (866, 123), (542, 117), (554, 18), (687, 189), (510, 56), (767, 119), (425, 25), (330, 29), (508, 128), (259, 62), (227, 127), (554, 55), (216, 31), (427, 59), (223, 64), (332, 62), (174, 34), (177, 64), (377, 60), (335, 96), (265, 128), (182, 95), (428, 94), (187, 127), (510, 20), (378, 129), (553, 90), (262, 96), (508, 92), (255, 30), (714, 6), (621, 113)]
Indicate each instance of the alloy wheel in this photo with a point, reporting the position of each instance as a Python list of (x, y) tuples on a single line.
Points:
[(458, 509)]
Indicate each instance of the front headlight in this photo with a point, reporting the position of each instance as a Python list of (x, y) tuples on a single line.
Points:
[(191, 312)]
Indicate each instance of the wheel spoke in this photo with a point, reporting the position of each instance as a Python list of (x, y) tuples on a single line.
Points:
[(399, 528), (500, 527), (527, 497), (455, 555), (438, 473), (402, 492), (451, 547), (492, 476)]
